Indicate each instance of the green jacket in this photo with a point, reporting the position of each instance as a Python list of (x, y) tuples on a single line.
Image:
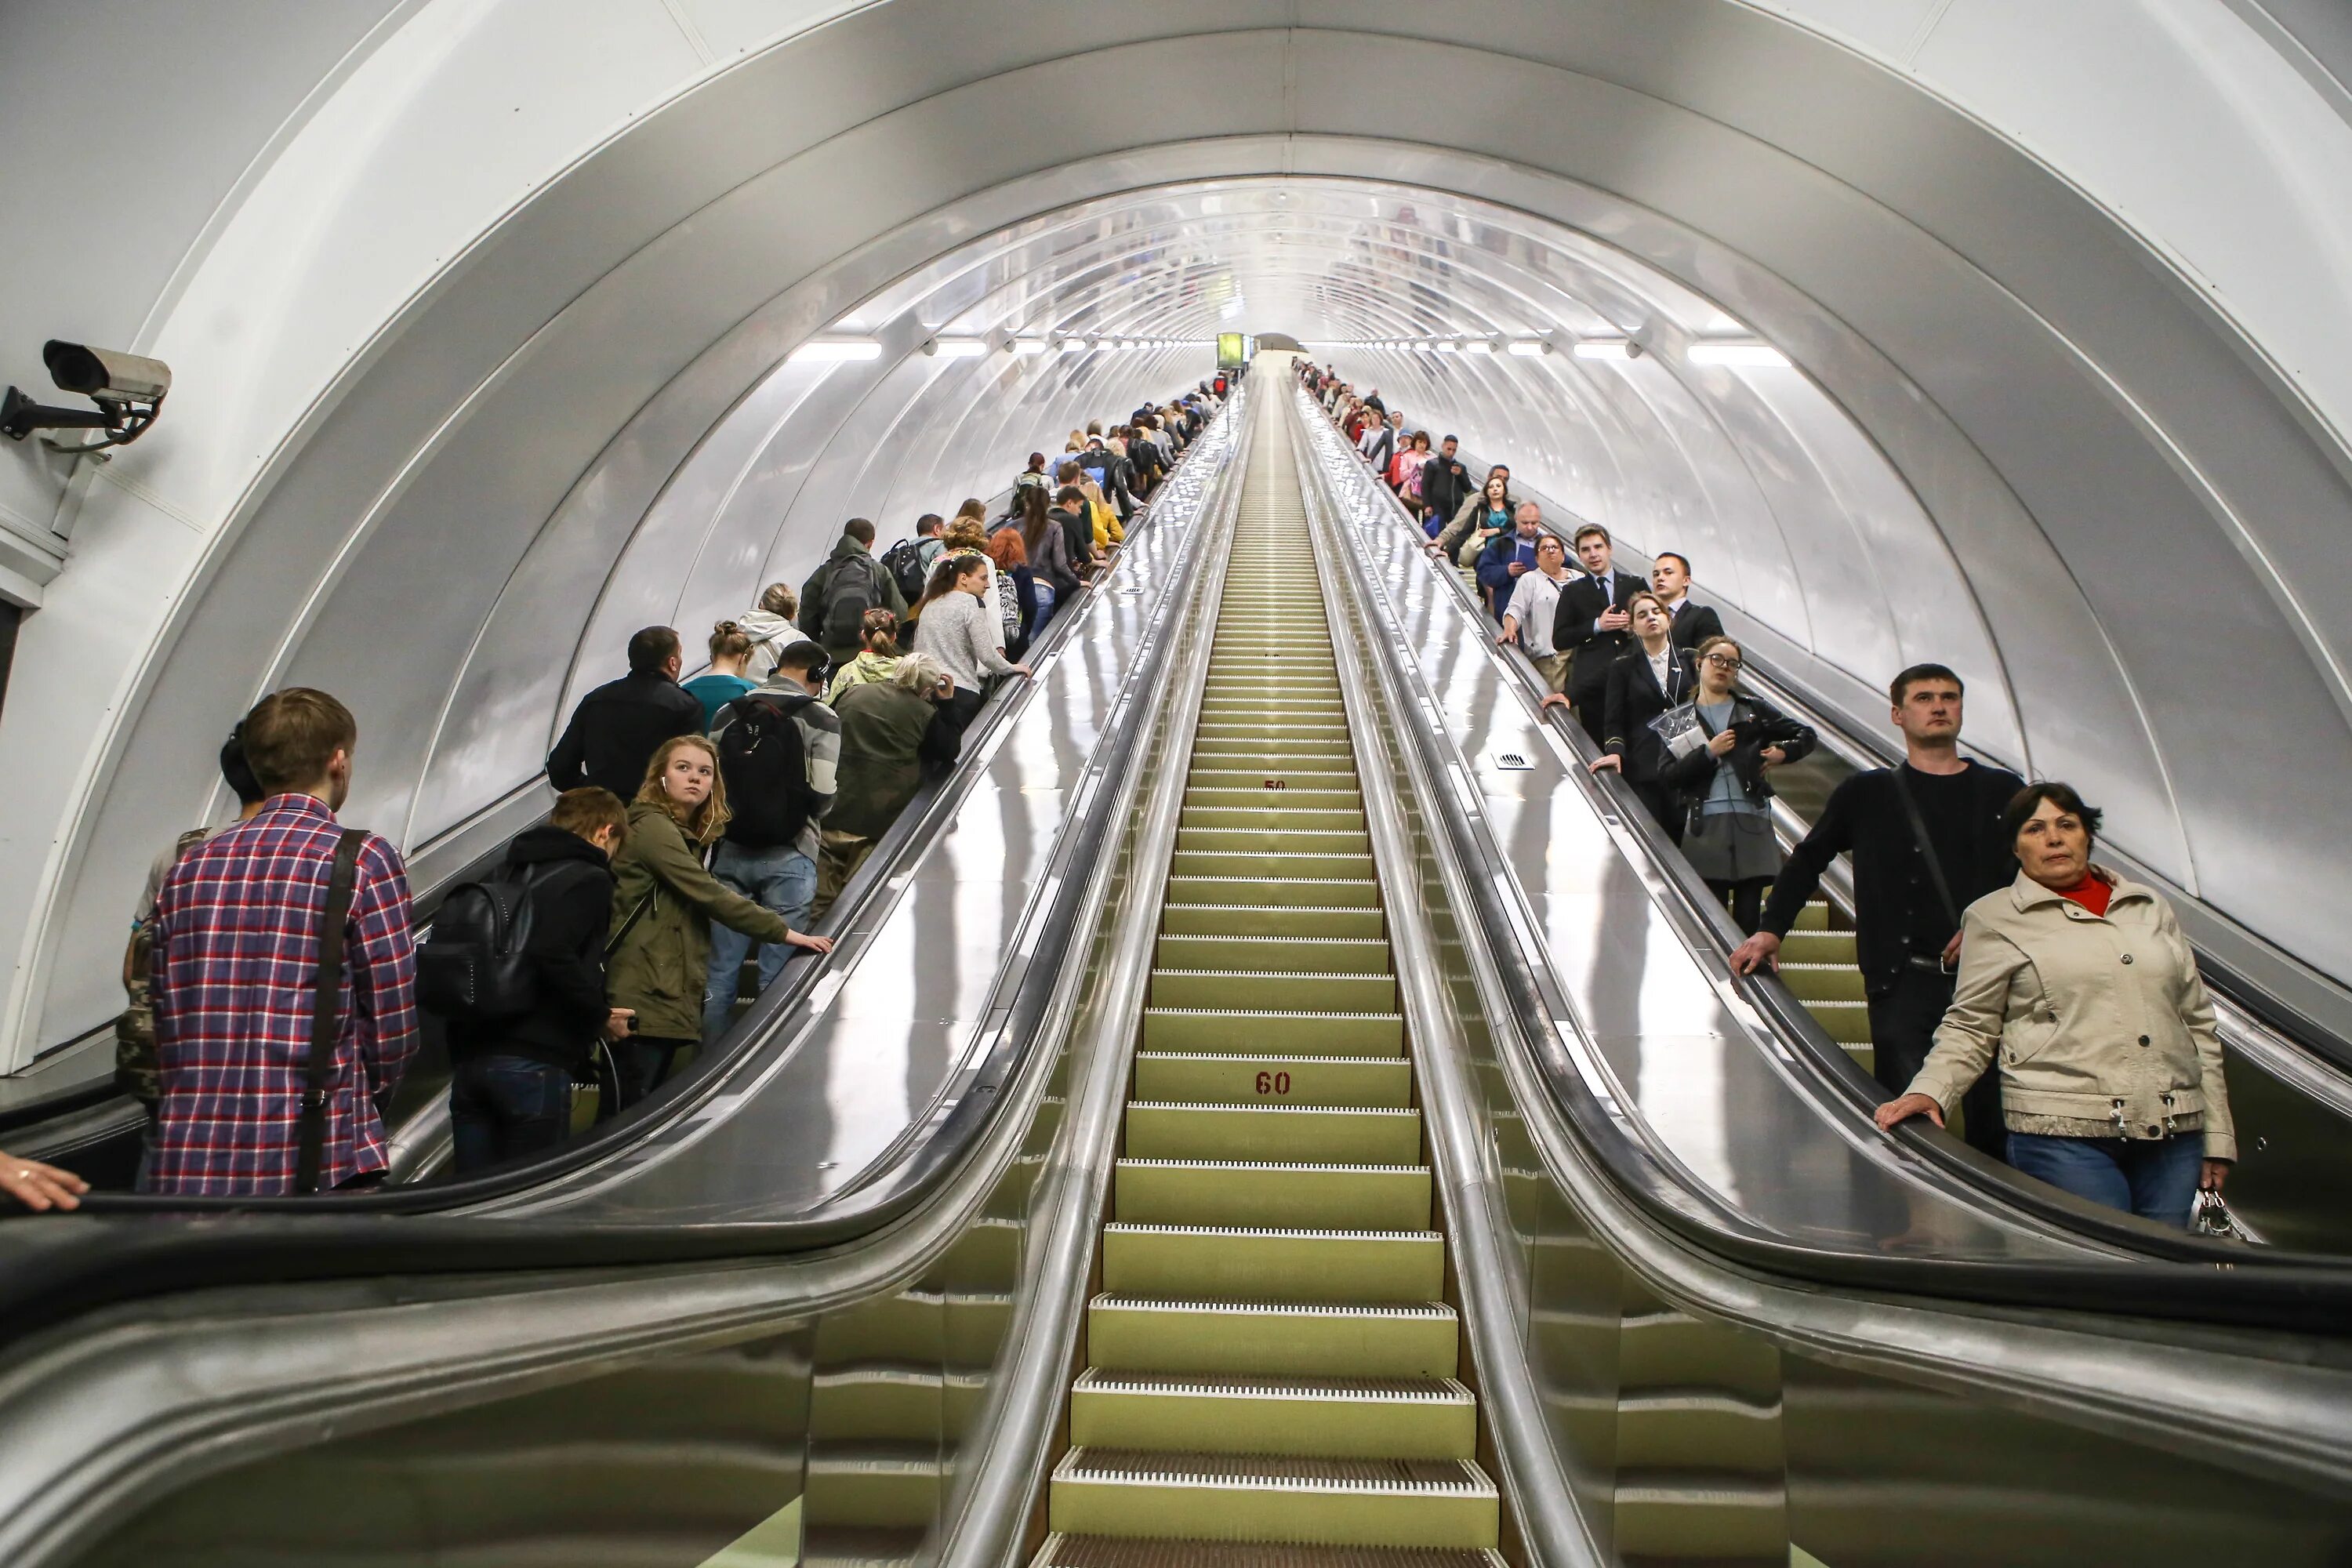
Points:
[(659, 967)]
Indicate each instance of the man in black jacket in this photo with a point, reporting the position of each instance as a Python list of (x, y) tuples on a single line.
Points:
[(1444, 483), (1591, 623), (509, 1079), (1670, 579), (847, 583), (1906, 909), (1070, 515), (617, 728)]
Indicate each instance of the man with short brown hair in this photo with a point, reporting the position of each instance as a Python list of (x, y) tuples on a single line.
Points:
[(239, 937)]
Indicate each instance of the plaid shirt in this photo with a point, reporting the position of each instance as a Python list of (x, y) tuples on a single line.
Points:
[(236, 951)]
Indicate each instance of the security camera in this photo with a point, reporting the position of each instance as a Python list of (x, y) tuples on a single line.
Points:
[(128, 389)]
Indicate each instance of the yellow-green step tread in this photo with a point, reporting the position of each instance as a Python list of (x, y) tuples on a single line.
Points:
[(1269, 1497)]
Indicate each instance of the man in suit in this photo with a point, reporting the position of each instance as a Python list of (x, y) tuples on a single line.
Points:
[(1670, 579), (1591, 624)]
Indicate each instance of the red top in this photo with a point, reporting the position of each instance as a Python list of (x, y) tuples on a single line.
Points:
[(2090, 892)]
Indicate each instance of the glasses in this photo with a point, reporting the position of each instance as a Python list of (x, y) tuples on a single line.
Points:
[(1723, 661)]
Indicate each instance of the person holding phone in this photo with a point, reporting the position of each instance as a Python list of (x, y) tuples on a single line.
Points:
[(1720, 785)]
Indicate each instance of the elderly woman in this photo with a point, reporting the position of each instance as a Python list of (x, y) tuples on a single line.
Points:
[(2080, 984)]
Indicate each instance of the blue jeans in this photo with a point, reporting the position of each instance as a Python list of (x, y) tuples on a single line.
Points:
[(2155, 1180), (504, 1108), (782, 880)]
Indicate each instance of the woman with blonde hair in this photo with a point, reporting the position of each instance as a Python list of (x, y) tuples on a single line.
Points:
[(663, 904)]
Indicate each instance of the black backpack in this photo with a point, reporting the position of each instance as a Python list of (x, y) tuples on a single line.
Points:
[(904, 562), (472, 965), (761, 759), (849, 591)]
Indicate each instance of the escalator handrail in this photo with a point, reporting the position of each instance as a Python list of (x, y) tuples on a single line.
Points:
[(2291, 1293), (68, 1268)]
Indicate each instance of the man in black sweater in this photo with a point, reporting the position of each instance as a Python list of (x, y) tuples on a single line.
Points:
[(617, 728), (509, 1079), (1906, 909)]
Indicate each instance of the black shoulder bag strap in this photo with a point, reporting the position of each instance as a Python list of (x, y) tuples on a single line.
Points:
[(327, 987), (1926, 846)]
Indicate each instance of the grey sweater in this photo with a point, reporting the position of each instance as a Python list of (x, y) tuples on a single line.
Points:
[(955, 630)]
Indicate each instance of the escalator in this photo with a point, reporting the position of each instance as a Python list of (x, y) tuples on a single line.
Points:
[(1306, 1227), (1269, 1358)]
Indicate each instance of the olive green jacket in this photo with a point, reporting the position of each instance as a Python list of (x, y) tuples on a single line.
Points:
[(659, 967), (2096, 1021)]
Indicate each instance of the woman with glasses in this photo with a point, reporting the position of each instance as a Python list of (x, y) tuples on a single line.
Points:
[(1718, 782)]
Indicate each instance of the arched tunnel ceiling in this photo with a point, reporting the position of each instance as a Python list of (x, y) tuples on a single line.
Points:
[(2012, 438)]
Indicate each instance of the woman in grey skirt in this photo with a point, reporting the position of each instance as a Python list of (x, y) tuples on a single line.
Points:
[(1721, 785)]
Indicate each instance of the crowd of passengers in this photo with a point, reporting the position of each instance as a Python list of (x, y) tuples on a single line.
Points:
[(2050, 1000), (701, 825)]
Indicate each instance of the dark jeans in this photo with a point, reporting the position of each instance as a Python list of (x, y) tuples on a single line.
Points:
[(2155, 1180), (504, 1108), (1746, 898), (642, 1062), (1903, 1022)]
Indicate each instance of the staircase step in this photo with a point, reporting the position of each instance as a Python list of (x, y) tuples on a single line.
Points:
[(1229, 1263), (1359, 1418), (1356, 1134), (1206, 1078), (1355, 922), (1273, 992), (1848, 1023), (1280, 954), (1107, 1552), (1817, 947), (1256, 790), (1267, 1497), (1211, 1029), (1258, 818), (1271, 1192)]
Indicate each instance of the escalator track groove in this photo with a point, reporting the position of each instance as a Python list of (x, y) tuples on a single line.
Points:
[(1271, 1374)]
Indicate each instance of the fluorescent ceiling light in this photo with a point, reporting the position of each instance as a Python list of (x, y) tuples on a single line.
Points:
[(1104, 344), (1029, 345), (1449, 348), (829, 351), (959, 348), (1479, 346), (1737, 353), (1527, 348), (1074, 345), (1604, 348)]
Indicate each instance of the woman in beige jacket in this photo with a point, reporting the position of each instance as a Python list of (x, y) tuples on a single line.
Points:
[(2082, 987)]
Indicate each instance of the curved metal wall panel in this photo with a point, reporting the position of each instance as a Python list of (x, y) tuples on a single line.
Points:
[(480, 311)]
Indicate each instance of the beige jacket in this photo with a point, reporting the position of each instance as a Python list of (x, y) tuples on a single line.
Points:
[(2090, 1016)]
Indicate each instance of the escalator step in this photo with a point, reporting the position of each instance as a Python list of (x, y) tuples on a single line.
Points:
[(1263, 1193), (1285, 954), (1369, 1135), (1373, 1418), (1321, 893), (1275, 1496), (1106, 1552), (1219, 1029), (1302, 838), (1216, 1079), (1271, 991), (1355, 922), (1228, 1263)]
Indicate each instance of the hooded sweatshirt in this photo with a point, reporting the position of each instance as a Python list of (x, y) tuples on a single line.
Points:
[(770, 635)]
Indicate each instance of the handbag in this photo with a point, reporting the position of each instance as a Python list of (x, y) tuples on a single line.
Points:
[(2208, 1214), (327, 987)]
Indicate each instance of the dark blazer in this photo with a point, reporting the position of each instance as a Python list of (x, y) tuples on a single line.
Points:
[(1690, 777), (1634, 698), (1581, 604), (1695, 625)]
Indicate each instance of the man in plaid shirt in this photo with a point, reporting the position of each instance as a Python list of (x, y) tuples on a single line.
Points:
[(236, 955)]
